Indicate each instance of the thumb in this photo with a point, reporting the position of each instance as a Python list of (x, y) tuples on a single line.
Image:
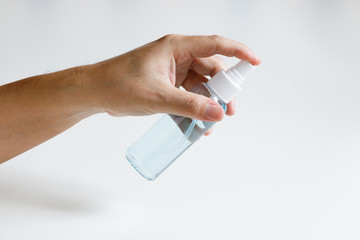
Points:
[(188, 104)]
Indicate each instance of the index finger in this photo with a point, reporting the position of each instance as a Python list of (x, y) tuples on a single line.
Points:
[(206, 46)]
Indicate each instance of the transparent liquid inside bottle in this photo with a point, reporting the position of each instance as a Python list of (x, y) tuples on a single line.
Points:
[(167, 139)]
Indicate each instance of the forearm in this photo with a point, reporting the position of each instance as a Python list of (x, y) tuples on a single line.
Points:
[(38, 108)]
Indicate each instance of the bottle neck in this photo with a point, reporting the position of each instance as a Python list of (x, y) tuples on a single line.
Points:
[(217, 98)]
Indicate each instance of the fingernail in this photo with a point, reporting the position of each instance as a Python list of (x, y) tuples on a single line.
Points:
[(213, 112), (256, 56)]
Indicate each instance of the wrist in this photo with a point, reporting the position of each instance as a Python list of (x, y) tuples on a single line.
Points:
[(85, 91)]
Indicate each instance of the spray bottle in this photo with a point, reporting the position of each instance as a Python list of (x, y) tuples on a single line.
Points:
[(171, 135)]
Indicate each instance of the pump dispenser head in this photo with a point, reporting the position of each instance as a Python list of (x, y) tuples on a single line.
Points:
[(226, 84), (244, 68)]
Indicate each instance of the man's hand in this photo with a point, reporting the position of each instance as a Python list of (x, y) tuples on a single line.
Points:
[(147, 79), (140, 82)]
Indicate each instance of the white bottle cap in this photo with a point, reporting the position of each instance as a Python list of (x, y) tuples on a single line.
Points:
[(226, 84)]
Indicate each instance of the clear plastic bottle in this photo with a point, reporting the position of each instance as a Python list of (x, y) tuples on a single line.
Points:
[(171, 135)]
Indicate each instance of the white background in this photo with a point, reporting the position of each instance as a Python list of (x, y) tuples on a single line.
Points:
[(286, 166)]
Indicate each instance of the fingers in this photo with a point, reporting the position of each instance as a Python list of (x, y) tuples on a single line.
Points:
[(205, 46), (208, 66), (183, 103), (192, 79), (203, 66), (200, 50), (230, 110)]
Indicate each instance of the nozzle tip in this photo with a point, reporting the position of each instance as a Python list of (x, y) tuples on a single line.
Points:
[(244, 68)]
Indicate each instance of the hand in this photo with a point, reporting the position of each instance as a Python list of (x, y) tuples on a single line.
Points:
[(147, 80), (140, 82)]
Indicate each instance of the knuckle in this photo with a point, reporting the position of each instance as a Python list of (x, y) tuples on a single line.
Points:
[(215, 37), (169, 37), (216, 42)]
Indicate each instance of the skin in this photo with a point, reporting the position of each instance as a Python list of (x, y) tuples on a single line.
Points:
[(143, 81)]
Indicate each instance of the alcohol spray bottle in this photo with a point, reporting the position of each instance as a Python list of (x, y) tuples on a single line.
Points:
[(171, 135)]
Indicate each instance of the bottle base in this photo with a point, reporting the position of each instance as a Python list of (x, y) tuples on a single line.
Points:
[(138, 168)]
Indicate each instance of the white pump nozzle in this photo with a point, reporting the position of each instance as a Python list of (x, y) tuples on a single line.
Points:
[(226, 84), (244, 68)]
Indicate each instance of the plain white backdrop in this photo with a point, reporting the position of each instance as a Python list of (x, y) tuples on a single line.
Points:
[(286, 166)]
